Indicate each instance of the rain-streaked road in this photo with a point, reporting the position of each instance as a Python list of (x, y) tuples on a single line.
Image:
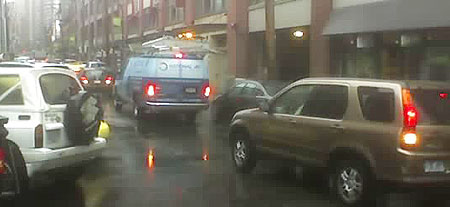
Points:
[(179, 176)]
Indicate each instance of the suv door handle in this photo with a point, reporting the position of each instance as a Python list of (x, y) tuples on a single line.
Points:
[(292, 121)]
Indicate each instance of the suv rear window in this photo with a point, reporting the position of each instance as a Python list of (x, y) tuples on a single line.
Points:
[(57, 88), (10, 90), (433, 106), (377, 104)]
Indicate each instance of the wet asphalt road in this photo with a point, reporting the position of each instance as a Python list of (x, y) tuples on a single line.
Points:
[(179, 176)]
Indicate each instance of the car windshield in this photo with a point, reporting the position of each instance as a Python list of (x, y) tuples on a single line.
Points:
[(433, 105)]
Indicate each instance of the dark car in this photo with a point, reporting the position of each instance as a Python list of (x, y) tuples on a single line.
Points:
[(98, 79), (244, 94), (13, 172)]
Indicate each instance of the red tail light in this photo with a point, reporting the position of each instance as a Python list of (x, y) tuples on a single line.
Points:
[(84, 80), (443, 95), (109, 79), (410, 116), (180, 55), (2, 161), (206, 91), (39, 136), (152, 89), (410, 113), (409, 138)]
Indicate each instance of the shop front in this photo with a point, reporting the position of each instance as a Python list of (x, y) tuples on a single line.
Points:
[(402, 39)]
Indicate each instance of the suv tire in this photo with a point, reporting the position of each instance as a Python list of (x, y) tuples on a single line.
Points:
[(19, 168), (352, 183), (242, 152)]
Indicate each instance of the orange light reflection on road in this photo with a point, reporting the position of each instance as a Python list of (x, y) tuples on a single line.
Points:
[(205, 157), (150, 159)]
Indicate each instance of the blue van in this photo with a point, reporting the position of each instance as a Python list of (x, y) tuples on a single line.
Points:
[(164, 83)]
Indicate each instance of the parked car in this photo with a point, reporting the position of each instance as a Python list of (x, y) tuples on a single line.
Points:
[(98, 79), (362, 131), (35, 101), (244, 94), (13, 172), (164, 83)]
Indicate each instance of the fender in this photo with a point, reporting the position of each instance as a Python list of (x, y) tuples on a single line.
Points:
[(354, 147)]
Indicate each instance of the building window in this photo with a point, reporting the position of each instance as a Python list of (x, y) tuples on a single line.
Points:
[(206, 7), (136, 6)]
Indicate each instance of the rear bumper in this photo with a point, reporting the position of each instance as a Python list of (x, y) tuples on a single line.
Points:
[(98, 87), (411, 169), (44, 159), (160, 107)]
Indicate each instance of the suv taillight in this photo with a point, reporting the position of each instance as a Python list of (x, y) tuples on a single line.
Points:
[(39, 136), (409, 138), (152, 89)]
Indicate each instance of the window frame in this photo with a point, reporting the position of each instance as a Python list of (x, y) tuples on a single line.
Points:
[(312, 83), (275, 99), (347, 102), (53, 73), (360, 103), (21, 90)]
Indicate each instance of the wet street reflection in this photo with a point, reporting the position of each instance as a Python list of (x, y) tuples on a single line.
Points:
[(170, 161)]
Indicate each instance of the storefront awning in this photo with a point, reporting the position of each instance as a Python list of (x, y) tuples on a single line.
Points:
[(389, 15)]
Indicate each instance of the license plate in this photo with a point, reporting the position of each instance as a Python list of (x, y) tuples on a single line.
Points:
[(97, 81), (431, 166), (190, 90)]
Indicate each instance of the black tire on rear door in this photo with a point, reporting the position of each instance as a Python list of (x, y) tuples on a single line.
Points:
[(17, 162), (82, 118)]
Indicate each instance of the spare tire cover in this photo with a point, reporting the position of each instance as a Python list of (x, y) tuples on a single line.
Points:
[(82, 118)]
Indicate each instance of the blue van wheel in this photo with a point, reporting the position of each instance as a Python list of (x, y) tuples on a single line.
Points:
[(137, 112)]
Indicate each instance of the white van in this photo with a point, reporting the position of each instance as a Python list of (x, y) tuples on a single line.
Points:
[(33, 100)]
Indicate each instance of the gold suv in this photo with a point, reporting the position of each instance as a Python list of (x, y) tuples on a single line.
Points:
[(361, 130)]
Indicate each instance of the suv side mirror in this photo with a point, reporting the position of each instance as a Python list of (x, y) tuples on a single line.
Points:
[(264, 106)]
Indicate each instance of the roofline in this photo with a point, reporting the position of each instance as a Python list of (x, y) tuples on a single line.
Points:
[(403, 83)]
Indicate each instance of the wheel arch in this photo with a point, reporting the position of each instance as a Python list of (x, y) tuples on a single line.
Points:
[(351, 153)]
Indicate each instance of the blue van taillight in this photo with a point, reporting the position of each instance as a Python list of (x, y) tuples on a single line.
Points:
[(206, 90), (152, 89)]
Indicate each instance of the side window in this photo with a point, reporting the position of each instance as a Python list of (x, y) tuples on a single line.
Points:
[(57, 88), (327, 101), (237, 90), (292, 101), (377, 104), (10, 90), (249, 89)]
